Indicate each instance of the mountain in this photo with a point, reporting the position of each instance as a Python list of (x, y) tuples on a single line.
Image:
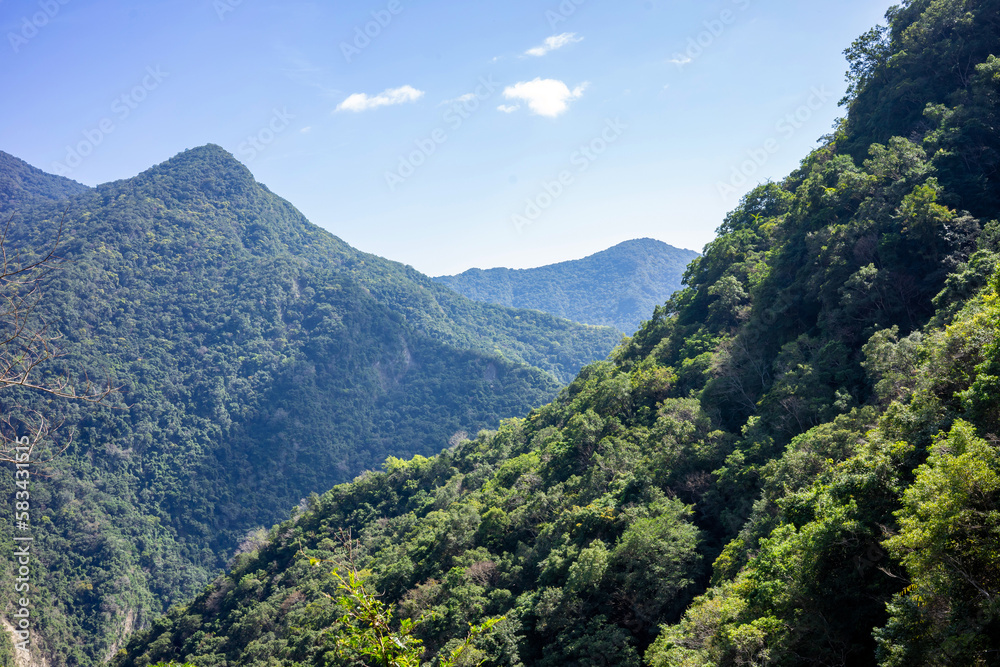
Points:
[(617, 287), (260, 359), (793, 462), (21, 184)]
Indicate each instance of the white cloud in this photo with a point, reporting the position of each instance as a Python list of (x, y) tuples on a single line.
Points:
[(680, 60), (508, 108), (362, 102), (554, 42), (461, 99), (545, 97), (306, 130)]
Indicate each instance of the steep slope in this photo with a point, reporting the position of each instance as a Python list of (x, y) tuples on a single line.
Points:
[(617, 287), (804, 441), (21, 184), (261, 359)]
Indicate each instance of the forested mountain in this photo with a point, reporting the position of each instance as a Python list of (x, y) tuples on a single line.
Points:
[(21, 184), (794, 462), (260, 359), (617, 287)]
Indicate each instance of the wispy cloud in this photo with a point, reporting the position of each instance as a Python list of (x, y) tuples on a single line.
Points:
[(545, 97), (680, 60), (363, 102), (508, 108), (300, 69), (554, 42), (461, 99)]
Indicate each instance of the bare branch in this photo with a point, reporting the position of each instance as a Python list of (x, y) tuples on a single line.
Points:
[(26, 448), (27, 348)]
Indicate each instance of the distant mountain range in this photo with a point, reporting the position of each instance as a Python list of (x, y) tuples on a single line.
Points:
[(617, 287)]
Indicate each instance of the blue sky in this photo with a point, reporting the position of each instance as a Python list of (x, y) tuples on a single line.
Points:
[(445, 135)]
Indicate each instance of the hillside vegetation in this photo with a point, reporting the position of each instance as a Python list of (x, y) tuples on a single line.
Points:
[(260, 359), (22, 185), (794, 462), (617, 287)]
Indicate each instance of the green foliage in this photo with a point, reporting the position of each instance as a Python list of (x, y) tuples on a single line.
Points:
[(261, 359), (6, 650), (949, 543), (655, 564), (366, 634), (815, 414), (810, 563), (23, 185), (777, 418), (867, 56)]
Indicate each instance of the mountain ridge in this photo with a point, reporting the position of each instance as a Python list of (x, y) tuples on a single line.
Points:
[(21, 182), (618, 286)]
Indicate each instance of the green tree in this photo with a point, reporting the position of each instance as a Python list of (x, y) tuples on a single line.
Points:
[(949, 542), (866, 56), (368, 634)]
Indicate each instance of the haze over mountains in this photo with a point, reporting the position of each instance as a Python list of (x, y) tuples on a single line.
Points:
[(617, 287), (261, 359)]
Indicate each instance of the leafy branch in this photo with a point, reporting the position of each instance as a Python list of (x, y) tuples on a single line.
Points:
[(368, 632)]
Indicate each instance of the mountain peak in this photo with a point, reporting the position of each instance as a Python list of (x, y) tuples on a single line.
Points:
[(644, 242), (641, 248), (210, 164), (208, 152), (207, 192)]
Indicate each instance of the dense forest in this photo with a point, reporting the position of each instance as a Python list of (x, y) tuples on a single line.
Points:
[(617, 287), (259, 359), (793, 461)]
